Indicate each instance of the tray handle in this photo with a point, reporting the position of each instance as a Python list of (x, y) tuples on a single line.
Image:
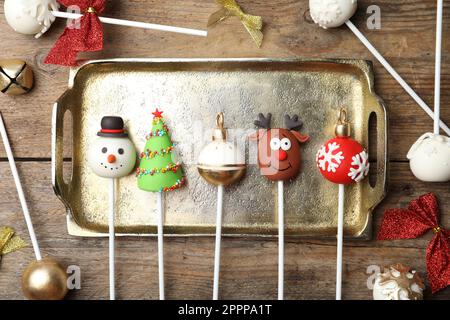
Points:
[(379, 190), (60, 108)]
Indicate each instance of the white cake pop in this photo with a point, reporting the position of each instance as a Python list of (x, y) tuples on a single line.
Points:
[(30, 16), (113, 154), (430, 158), (398, 282), (220, 162), (332, 13)]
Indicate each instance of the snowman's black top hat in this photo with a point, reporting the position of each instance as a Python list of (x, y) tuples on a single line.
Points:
[(112, 127)]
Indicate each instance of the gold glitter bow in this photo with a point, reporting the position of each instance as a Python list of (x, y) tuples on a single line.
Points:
[(9, 242), (253, 24)]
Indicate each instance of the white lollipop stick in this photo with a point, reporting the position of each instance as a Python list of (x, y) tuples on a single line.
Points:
[(135, 24), (159, 208), (280, 240), (218, 242), (396, 76), (23, 202), (340, 238), (112, 197), (437, 78)]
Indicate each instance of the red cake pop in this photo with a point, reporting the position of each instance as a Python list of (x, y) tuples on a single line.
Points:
[(343, 161)]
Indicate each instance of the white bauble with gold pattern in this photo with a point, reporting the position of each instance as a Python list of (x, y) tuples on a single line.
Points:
[(220, 162), (398, 282)]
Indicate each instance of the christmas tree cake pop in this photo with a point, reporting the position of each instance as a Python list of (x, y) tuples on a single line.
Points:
[(112, 156), (159, 172)]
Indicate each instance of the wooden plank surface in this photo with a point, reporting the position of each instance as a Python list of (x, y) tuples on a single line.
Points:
[(249, 266)]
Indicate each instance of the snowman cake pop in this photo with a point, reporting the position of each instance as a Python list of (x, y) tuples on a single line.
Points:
[(112, 156)]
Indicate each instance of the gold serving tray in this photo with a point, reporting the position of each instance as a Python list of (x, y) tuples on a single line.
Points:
[(191, 92)]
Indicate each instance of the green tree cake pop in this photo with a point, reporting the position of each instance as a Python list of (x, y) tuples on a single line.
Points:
[(159, 172)]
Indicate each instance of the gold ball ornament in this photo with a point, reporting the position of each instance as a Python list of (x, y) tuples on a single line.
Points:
[(220, 162), (45, 279), (16, 77)]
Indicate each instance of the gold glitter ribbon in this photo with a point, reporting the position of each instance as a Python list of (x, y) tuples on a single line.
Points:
[(253, 24), (9, 242)]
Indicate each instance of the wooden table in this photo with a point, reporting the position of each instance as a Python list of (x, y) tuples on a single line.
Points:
[(249, 266)]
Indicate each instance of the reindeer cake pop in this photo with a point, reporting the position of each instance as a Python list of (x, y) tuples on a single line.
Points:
[(279, 156), (279, 159), (112, 156)]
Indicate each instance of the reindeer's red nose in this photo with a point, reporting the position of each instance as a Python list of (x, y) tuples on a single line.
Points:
[(111, 158), (281, 155)]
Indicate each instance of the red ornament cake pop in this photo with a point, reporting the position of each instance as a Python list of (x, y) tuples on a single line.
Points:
[(343, 160)]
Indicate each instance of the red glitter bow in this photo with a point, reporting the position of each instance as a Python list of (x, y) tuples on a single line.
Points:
[(421, 216), (87, 37)]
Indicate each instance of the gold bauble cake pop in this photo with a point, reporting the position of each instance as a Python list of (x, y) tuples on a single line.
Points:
[(44, 279), (220, 162)]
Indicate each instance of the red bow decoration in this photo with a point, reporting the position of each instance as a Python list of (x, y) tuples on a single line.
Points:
[(88, 37), (421, 216)]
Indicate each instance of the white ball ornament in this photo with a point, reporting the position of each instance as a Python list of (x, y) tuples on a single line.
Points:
[(33, 17), (112, 155), (332, 13), (430, 158), (220, 162)]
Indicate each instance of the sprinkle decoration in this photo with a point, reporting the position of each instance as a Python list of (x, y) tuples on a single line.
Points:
[(148, 154), (177, 185), (170, 168), (158, 132)]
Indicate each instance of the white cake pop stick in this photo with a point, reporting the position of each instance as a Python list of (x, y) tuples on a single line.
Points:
[(430, 153), (218, 242), (135, 24), (23, 202), (112, 234), (280, 240), (160, 213), (112, 156), (437, 78), (334, 13), (396, 76), (36, 17), (340, 240)]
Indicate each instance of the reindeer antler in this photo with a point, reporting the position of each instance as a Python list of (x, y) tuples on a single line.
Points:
[(263, 122), (293, 123)]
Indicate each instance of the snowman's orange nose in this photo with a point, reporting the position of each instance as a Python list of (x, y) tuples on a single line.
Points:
[(111, 158)]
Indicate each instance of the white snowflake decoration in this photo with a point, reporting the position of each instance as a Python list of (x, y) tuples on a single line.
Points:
[(41, 11), (329, 160), (361, 161)]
